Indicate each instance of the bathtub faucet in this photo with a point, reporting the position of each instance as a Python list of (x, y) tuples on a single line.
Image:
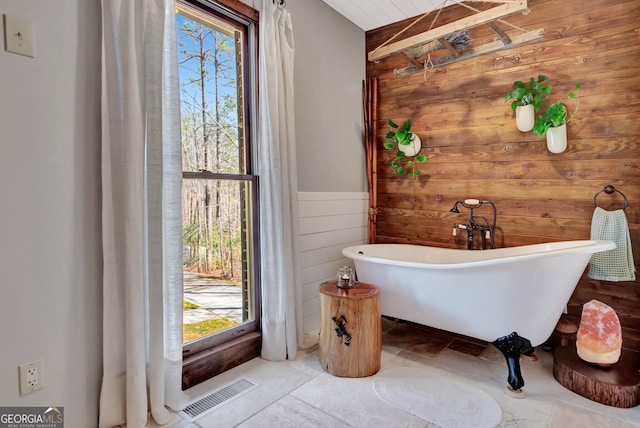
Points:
[(485, 228)]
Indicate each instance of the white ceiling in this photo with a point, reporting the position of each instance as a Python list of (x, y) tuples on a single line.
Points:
[(370, 14)]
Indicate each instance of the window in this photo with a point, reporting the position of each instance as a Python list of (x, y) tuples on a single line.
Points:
[(216, 55)]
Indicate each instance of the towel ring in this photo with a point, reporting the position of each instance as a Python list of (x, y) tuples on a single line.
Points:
[(609, 189)]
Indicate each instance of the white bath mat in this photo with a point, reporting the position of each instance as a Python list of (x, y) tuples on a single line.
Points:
[(437, 397)]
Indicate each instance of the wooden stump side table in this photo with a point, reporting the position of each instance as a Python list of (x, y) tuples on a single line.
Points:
[(350, 329), (616, 386)]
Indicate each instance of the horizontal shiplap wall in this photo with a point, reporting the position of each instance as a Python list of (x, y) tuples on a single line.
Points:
[(328, 222)]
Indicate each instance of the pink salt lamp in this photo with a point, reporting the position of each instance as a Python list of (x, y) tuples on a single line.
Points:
[(599, 337)]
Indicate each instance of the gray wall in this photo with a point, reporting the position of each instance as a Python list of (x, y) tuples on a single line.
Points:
[(50, 247), (330, 62), (50, 268)]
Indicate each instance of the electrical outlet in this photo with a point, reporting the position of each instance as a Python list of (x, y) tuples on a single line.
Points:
[(30, 375)]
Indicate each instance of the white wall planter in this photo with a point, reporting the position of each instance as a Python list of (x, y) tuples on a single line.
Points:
[(557, 139), (413, 147), (525, 118)]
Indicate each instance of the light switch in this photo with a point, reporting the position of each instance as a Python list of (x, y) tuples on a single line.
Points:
[(18, 36)]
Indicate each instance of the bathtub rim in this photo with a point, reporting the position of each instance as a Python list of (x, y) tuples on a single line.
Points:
[(490, 257)]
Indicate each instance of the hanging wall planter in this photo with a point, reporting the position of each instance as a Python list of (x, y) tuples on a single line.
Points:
[(553, 124), (557, 138), (414, 146), (527, 98), (407, 146), (525, 118)]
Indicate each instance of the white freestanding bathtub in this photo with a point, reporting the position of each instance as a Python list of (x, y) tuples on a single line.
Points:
[(512, 297), (486, 294)]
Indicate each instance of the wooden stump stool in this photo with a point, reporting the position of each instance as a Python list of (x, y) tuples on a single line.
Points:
[(350, 329)]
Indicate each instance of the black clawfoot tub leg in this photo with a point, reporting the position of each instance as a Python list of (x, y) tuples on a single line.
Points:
[(511, 347)]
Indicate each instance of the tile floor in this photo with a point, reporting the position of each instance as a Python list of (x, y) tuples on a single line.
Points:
[(300, 393)]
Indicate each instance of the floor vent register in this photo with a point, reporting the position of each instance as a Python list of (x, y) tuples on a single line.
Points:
[(204, 405)]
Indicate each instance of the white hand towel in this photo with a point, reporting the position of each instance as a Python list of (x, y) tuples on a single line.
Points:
[(616, 264)]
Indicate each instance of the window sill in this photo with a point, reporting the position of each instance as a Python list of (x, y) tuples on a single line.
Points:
[(208, 363)]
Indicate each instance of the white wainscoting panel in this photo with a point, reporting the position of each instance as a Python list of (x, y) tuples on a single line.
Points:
[(328, 222)]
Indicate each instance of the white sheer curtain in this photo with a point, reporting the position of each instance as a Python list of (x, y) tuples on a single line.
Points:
[(141, 214), (281, 323)]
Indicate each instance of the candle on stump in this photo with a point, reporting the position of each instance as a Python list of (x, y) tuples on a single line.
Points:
[(345, 277)]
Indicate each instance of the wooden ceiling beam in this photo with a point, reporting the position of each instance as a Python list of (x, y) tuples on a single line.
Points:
[(479, 18), (500, 32), (495, 46), (412, 60), (449, 47)]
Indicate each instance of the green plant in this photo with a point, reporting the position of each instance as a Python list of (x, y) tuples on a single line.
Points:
[(556, 114), (187, 306), (191, 332), (530, 93), (402, 138)]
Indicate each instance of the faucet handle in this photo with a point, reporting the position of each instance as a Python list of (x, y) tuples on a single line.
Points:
[(455, 231), (487, 234)]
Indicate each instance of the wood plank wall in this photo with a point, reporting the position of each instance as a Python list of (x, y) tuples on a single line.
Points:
[(475, 150)]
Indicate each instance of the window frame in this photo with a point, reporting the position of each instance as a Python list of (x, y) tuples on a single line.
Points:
[(212, 355)]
